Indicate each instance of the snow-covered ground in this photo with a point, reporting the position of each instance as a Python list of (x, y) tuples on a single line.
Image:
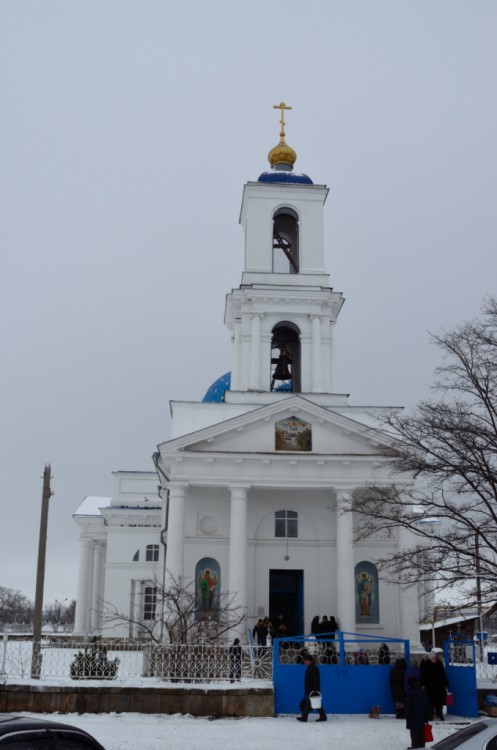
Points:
[(132, 731)]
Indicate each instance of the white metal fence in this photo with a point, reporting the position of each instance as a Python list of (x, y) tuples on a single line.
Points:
[(125, 660)]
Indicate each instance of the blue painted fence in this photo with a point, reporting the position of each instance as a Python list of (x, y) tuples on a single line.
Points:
[(347, 687), (460, 665)]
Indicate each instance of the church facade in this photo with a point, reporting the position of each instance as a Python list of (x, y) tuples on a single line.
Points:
[(254, 491)]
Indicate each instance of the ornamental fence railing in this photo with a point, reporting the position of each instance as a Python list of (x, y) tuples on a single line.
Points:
[(126, 660), (59, 658)]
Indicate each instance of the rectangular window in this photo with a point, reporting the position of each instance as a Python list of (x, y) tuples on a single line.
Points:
[(150, 603), (152, 553), (286, 524)]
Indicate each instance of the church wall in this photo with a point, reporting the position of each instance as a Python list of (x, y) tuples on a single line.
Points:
[(188, 417), (388, 594), (123, 543), (120, 568)]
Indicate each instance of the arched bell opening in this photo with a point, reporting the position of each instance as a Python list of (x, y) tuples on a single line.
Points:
[(285, 358), (285, 241)]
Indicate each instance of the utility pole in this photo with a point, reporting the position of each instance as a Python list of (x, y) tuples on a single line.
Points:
[(40, 577), (478, 591)]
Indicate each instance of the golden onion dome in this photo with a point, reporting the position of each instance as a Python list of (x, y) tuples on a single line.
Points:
[(282, 153)]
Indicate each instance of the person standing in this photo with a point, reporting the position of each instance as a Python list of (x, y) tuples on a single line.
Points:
[(397, 687), (259, 633), (417, 712), (333, 626), (312, 684), (315, 625), (235, 657), (434, 680)]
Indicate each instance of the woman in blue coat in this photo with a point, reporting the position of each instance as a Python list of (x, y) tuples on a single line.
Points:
[(417, 712)]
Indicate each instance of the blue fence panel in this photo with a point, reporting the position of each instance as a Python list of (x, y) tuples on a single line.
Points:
[(346, 686), (460, 665)]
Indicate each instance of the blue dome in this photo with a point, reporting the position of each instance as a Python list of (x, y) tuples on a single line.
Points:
[(215, 393), (281, 176)]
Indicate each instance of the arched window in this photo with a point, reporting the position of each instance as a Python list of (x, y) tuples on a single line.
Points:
[(367, 595), (286, 524), (136, 557), (152, 553), (285, 241), (285, 358), (207, 587)]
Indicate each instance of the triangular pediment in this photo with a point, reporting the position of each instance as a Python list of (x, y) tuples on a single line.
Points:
[(294, 425)]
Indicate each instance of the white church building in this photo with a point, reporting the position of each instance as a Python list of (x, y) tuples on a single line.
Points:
[(253, 494)]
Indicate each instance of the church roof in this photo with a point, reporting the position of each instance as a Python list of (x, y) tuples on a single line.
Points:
[(215, 392), (288, 177), (91, 505)]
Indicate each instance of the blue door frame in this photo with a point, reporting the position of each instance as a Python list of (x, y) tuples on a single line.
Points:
[(346, 687)]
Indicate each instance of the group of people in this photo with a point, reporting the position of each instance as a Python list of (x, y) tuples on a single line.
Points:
[(266, 629), (419, 690), (419, 693), (324, 626)]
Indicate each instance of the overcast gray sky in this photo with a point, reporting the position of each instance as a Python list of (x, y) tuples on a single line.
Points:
[(127, 132)]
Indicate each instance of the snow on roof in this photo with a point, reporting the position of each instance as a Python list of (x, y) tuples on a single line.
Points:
[(91, 505)]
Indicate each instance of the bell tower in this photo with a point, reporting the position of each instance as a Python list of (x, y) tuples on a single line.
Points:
[(283, 313)]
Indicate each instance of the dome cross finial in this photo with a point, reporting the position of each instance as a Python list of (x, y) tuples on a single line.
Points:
[(282, 106)]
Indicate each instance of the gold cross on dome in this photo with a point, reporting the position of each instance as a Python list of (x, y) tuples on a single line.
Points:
[(282, 106)]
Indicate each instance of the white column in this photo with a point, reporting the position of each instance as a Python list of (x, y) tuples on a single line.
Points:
[(317, 364), (345, 563), (238, 553), (175, 533), (81, 614), (255, 354), (98, 589), (237, 345), (90, 586), (331, 376)]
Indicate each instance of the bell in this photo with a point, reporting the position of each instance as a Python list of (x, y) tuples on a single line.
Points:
[(282, 371)]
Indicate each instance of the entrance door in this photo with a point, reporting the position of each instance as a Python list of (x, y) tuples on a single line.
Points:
[(286, 597)]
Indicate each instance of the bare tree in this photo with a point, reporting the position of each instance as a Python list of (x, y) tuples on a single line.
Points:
[(174, 614), (449, 443), (59, 615), (15, 607)]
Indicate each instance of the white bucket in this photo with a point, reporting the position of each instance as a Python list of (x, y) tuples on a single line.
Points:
[(315, 699)]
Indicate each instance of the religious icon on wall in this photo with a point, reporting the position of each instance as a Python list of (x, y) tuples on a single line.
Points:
[(293, 434), (207, 587), (366, 592)]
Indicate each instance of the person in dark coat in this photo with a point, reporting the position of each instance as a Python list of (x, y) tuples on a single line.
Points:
[(324, 627), (397, 688), (383, 654), (315, 625), (333, 625), (312, 684), (259, 633), (434, 680), (413, 670), (417, 712), (235, 657)]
